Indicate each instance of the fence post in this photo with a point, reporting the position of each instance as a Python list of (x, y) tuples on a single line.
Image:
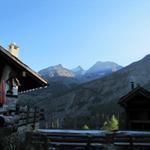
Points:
[(131, 142), (34, 119), (88, 143), (109, 141), (45, 143), (28, 140)]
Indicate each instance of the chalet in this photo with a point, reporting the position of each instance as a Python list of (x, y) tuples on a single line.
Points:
[(15, 77), (137, 109)]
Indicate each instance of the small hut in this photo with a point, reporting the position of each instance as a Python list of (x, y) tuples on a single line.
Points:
[(137, 109)]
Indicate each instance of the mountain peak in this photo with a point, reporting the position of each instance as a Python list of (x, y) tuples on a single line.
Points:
[(100, 66), (59, 66), (78, 68), (78, 71), (55, 71)]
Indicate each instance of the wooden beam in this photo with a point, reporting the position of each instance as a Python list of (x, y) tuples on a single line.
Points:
[(5, 73)]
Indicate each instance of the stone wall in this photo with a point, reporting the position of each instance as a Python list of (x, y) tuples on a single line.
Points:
[(11, 142)]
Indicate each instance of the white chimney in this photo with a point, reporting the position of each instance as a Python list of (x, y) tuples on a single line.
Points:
[(14, 49)]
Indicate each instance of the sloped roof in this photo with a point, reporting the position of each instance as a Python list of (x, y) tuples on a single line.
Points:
[(32, 80), (134, 92)]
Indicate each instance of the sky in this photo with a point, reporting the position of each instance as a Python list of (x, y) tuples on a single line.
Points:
[(76, 32)]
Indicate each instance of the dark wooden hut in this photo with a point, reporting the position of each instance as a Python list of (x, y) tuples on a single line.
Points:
[(137, 109)]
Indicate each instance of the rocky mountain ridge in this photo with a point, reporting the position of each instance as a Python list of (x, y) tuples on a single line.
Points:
[(60, 79), (98, 70)]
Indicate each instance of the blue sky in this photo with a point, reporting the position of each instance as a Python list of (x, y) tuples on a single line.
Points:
[(76, 32)]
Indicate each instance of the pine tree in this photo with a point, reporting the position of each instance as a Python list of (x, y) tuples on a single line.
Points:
[(114, 123)]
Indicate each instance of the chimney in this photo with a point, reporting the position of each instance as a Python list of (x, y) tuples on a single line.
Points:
[(14, 49), (132, 85)]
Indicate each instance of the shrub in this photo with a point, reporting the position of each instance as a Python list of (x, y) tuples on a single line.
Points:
[(85, 127), (111, 125)]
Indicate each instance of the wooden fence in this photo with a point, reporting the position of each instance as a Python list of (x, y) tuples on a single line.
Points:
[(87, 140), (21, 117), (15, 123)]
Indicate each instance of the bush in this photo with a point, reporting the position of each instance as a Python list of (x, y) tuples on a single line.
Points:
[(111, 125), (85, 127)]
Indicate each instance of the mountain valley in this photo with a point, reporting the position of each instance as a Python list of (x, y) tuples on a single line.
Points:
[(79, 103)]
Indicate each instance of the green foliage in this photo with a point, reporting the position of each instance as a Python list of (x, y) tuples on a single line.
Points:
[(111, 125), (55, 124), (85, 127)]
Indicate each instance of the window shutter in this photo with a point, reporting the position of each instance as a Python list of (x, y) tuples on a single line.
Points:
[(2, 93)]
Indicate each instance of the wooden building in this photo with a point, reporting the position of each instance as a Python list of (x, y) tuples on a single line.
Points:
[(11, 67), (15, 77), (137, 109)]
